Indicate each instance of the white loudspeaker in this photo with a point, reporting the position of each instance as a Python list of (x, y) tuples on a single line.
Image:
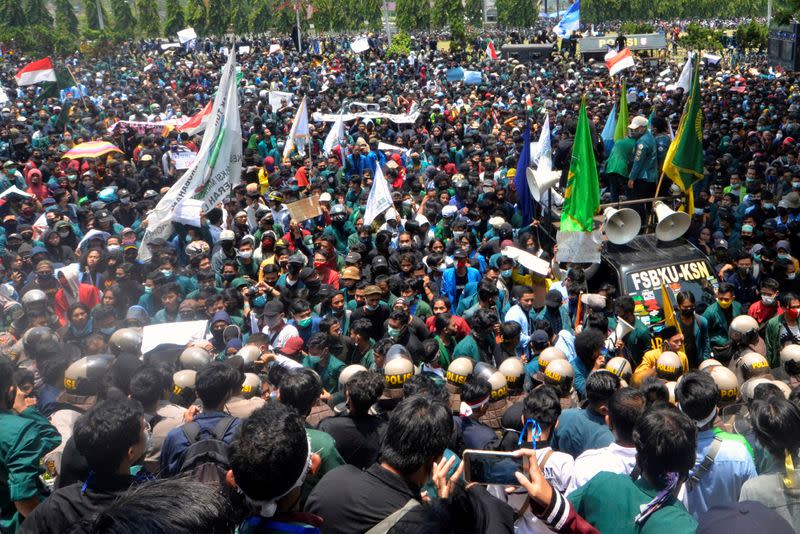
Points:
[(671, 224), (539, 182), (621, 225), (623, 328)]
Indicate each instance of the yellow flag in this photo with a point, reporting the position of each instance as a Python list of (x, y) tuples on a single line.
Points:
[(669, 311)]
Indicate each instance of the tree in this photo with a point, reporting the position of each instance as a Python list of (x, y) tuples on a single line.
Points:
[(92, 19), (197, 16), (473, 9), (413, 15), (12, 14), (516, 13), (37, 14), (175, 21), (400, 47), (751, 36), (218, 17), (124, 21), (240, 15), (149, 20), (260, 16), (66, 20)]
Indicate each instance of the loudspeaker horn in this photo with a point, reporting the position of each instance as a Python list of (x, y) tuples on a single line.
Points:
[(539, 182), (623, 328), (671, 224), (621, 225)]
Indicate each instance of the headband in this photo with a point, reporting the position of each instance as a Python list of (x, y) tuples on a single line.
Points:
[(466, 409)]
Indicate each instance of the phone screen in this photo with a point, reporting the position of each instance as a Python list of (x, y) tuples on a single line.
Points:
[(488, 468)]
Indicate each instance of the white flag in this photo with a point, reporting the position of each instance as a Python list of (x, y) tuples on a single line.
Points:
[(215, 170), (380, 198), (335, 136), (359, 45), (685, 79), (543, 157), (298, 135)]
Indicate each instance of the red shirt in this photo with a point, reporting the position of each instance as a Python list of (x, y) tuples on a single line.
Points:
[(763, 313)]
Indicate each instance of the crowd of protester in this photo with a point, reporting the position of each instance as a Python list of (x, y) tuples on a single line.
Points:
[(345, 367)]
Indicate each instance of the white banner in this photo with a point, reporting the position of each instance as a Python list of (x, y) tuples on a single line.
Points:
[(276, 99), (217, 168), (180, 334), (380, 199), (399, 118), (360, 45), (186, 35)]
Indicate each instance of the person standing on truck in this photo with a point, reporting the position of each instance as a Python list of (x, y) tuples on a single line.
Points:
[(644, 172), (637, 341), (618, 166), (694, 328), (720, 314)]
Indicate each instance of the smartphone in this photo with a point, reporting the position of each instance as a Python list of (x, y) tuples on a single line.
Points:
[(490, 467)]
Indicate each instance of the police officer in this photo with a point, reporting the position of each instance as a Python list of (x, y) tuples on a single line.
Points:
[(183, 387), (248, 399), (194, 358), (644, 172), (457, 374)]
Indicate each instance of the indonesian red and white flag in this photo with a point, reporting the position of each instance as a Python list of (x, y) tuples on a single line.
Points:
[(38, 71), (618, 61), (197, 123), (490, 51)]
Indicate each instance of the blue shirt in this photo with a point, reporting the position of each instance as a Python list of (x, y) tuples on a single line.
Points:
[(523, 319), (176, 442), (721, 484)]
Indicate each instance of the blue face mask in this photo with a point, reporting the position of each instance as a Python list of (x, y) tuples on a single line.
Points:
[(506, 273), (108, 331), (166, 273), (371, 308), (304, 323), (260, 301), (393, 332)]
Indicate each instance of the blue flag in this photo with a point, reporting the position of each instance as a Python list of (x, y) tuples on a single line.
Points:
[(472, 77), (607, 135), (570, 22), (524, 197)]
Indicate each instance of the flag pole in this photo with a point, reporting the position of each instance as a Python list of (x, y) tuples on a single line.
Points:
[(80, 93)]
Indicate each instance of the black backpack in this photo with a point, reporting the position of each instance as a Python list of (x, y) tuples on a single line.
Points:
[(206, 459)]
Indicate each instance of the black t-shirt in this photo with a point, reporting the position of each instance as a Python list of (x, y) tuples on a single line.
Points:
[(358, 438)]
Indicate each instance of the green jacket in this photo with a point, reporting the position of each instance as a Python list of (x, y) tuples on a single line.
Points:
[(718, 323), (638, 341), (772, 339), (323, 444), (24, 440), (329, 374), (621, 156)]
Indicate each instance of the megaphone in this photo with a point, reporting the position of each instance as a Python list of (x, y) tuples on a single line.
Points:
[(539, 182), (671, 224), (623, 328), (621, 225)]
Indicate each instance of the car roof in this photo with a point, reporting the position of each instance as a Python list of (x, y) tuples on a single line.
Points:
[(646, 250)]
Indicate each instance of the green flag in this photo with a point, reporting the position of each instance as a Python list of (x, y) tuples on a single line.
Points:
[(53, 89), (622, 120), (683, 163), (582, 196)]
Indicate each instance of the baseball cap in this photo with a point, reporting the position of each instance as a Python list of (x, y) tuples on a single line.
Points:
[(720, 243), (352, 257), (292, 346), (372, 290), (325, 197), (539, 339), (554, 298), (227, 235)]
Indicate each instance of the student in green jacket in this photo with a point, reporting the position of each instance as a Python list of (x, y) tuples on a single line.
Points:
[(780, 329), (618, 166), (665, 441), (25, 438), (720, 314)]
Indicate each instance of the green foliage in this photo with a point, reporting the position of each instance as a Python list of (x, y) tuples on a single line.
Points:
[(330, 15), (92, 19), (12, 14), (632, 10), (124, 22), (66, 20), (751, 36), (149, 21), (218, 17), (413, 14), (260, 16), (401, 45), (39, 40), (699, 38), (473, 9), (628, 28), (197, 16), (240, 16), (175, 21), (517, 13), (36, 13)]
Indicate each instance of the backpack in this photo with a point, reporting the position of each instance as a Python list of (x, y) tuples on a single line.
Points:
[(206, 460)]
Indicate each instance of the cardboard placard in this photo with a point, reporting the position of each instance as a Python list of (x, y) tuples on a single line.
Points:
[(184, 159), (443, 46), (578, 247), (181, 334), (304, 209)]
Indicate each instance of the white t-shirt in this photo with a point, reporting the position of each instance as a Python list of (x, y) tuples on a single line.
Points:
[(559, 472), (280, 340), (614, 459)]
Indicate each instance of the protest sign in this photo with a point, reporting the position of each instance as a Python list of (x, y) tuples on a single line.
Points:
[(578, 247), (305, 208)]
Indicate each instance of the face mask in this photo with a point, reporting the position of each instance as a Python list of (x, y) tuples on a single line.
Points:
[(506, 273), (393, 332), (757, 257), (217, 334), (767, 206), (166, 273), (791, 276), (313, 360), (725, 304), (148, 290), (44, 277), (304, 323), (108, 331), (784, 256), (688, 313), (113, 248), (791, 313), (125, 201), (795, 185), (319, 264), (228, 277), (768, 300), (744, 271), (246, 255), (260, 301), (462, 263), (371, 308), (458, 235), (63, 234), (294, 269), (338, 313)]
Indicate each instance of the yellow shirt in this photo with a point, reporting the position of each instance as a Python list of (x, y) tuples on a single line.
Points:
[(649, 362)]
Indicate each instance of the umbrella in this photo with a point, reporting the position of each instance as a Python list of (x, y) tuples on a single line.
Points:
[(91, 149)]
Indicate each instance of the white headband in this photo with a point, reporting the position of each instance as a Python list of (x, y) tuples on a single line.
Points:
[(268, 508), (702, 422), (466, 410)]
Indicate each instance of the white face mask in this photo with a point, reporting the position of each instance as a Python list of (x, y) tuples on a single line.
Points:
[(247, 254)]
